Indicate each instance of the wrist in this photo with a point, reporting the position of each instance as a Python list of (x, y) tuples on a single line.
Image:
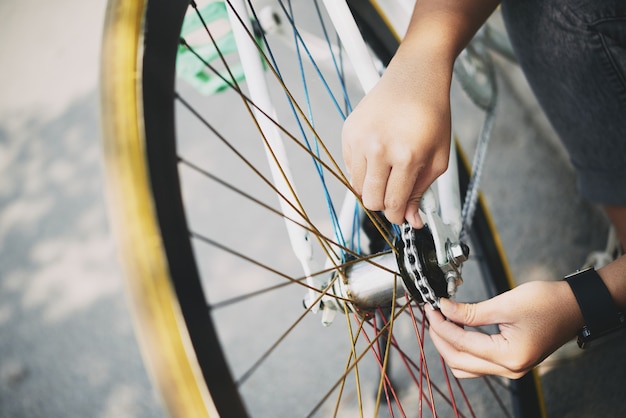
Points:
[(569, 304), (599, 311), (421, 73), (429, 47), (445, 27)]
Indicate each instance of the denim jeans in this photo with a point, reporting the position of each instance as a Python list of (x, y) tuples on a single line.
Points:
[(573, 53)]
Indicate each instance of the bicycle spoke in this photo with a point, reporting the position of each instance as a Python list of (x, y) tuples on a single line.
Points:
[(240, 209), (308, 119), (333, 170)]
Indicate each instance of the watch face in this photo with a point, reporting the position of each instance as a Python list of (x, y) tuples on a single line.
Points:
[(577, 272)]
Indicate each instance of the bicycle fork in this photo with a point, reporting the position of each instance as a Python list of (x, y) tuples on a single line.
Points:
[(375, 281)]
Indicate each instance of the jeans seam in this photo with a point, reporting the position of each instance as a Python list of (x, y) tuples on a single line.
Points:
[(617, 71)]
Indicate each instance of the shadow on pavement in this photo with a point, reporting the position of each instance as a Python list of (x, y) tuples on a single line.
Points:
[(67, 345)]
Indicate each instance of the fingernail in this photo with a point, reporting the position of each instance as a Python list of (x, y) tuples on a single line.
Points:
[(445, 304)]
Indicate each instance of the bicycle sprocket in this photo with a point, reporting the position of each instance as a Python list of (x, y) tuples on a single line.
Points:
[(417, 260)]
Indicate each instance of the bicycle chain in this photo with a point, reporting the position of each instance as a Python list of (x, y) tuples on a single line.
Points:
[(414, 268)]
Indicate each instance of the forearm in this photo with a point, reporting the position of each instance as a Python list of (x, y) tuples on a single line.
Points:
[(446, 26), (396, 142), (437, 33)]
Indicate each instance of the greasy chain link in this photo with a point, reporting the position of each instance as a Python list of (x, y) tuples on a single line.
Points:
[(414, 267)]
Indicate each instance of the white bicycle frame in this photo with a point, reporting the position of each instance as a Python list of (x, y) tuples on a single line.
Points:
[(441, 205)]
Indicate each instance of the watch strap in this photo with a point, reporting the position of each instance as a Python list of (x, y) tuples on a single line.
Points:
[(596, 304)]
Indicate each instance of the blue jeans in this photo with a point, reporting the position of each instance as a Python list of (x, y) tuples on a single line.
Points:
[(573, 53)]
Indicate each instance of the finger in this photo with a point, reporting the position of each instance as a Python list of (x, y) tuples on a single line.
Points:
[(422, 183), (375, 184), (357, 169), (398, 192), (411, 213), (466, 365), (462, 374), (471, 343), (470, 314), (346, 151)]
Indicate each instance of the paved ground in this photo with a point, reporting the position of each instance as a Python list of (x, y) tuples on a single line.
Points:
[(66, 342)]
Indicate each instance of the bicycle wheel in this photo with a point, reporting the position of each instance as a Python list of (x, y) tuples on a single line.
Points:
[(214, 284)]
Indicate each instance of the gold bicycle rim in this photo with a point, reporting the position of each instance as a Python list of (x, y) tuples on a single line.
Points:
[(159, 325)]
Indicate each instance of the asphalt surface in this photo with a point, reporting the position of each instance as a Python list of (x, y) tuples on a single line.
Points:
[(67, 347)]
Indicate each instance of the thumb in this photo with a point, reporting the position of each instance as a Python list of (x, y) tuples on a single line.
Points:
[(467, 314), (411, 213)]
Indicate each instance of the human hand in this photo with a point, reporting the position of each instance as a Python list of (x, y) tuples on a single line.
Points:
[(396, 142), (534, 319)]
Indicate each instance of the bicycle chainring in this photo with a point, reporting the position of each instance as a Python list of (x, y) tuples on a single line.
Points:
[(417, 259)]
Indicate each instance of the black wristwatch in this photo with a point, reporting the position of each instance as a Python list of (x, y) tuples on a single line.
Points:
[(596, 304)]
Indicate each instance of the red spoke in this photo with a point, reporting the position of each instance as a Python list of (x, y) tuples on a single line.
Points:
[(387, 383), (447, 377)]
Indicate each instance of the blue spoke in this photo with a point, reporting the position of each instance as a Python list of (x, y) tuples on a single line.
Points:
[(301, 45)]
